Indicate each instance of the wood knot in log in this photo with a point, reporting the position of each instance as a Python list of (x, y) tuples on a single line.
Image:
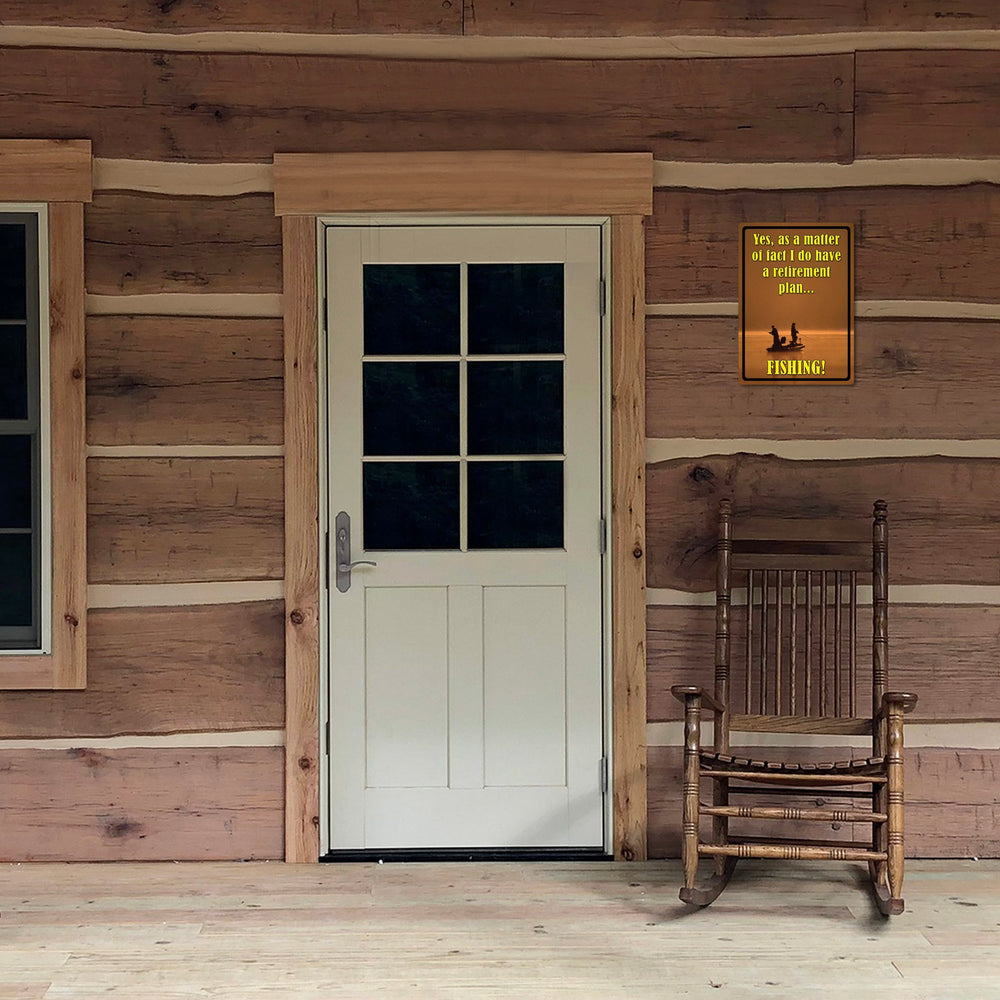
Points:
[(297, 617)]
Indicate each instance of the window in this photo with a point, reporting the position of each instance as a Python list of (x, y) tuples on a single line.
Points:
[(43, 571), (25, 591)]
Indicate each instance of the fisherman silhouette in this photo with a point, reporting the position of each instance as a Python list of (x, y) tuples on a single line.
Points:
[(777, 342), (795, 335)]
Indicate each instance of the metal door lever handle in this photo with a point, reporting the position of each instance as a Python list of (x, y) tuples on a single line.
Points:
[(347, 567)]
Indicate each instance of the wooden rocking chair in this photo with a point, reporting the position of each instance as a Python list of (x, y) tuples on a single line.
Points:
[(798, 672)]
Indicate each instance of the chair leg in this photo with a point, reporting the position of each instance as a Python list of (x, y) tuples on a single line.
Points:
[(888, 876), (894, 771), (692, 782)]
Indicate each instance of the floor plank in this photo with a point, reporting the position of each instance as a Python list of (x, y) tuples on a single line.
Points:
[(225, 931)]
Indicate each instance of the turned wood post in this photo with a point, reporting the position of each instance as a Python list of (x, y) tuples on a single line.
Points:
[(692, 746), (894, 790)]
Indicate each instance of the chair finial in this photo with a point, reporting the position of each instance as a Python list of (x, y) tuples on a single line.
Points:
[(881, 510)]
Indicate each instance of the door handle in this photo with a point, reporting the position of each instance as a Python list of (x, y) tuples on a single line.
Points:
[(342, 540)]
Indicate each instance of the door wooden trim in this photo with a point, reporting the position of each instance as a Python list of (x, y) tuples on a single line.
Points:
[(303, 186), (500, 182)]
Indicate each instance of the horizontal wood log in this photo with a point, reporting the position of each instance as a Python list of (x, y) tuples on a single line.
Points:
[(930, 103), (951, 808), (178, 520), (923, 638), (940, 511), (913, 379), (146, 243), (230, 107), (142, 805), (326, 16), (165, 670), (45, 170), (911, 243), (718, 17), (162, 380), (946, 654)]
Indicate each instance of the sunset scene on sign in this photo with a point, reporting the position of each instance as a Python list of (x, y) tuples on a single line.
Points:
[(796, 303)]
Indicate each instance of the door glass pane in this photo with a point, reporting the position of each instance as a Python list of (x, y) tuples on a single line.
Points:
[(411, 505), (516, 308), (15, 481), (15, 580), (515, 407), (12, 279), (515, 505), (411, 407), (13, 373), (411, 308)]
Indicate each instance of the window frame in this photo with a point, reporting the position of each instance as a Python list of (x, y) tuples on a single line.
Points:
[(54, 179)]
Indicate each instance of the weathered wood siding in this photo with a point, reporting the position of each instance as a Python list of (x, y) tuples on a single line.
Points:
[(185, 405), (191, 380), (213, 668), (142, 805), (214, 108)]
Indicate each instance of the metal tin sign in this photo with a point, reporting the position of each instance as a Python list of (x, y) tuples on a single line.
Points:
[(796, 303)]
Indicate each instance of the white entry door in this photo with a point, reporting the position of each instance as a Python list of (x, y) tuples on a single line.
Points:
[(465, 472)]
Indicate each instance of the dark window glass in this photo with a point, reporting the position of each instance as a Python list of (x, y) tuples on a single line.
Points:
[(412, 308), (12, 272), (515, 505), (13, 373), (15, 481), (411, 407), (515, 407), (516, 308), (16, 587), (411, 505)]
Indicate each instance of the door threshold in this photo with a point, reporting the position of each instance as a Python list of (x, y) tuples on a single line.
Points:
[(411, 854)]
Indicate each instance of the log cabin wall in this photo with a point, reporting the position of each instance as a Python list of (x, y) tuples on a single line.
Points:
[(884, 119)]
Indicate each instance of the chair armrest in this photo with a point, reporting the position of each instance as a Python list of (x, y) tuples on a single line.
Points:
[(907, 701), (683, 691)]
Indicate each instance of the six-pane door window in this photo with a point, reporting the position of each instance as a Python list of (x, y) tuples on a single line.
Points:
[(463, 406)]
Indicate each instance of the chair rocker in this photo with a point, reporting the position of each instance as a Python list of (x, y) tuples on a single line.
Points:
[(797, 671)]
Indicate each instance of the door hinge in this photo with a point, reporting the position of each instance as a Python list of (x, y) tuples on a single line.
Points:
[(603, 295), (603, 540), (327, 728), (604, 774)]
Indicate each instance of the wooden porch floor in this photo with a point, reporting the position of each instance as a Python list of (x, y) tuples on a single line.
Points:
[(609, 931)]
